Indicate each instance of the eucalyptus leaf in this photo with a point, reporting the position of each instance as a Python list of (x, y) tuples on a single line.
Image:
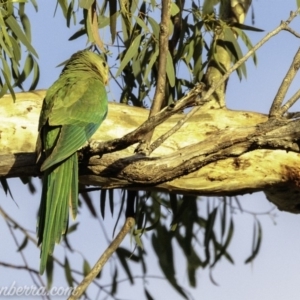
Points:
[(14, 26), (174, 9), (131, 51), (170, 70), (86, 4)]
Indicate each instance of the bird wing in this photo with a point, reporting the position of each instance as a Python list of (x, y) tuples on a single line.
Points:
[(76, 114)]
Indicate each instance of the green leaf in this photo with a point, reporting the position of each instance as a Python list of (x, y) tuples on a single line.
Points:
[(26, 26), (247, 42), (28, 67), (147, 294), (131, 51), (125, 29), (222, 249), (111, 201), (34, 5), (16, 49), (138, 241), (246, 27), (23, 245), (71, 14), (123, 257), (63, 5), (209, 227), (88, 200), (36, 75), (180, 212), (68, 272), (153, 59), (7, 76), (174, 9), (155, 27), (14, 26), (234, 48), (102, 202), (86, 268), (114, 282), (103, 21), (256, 241), (162, 244), (123, 199), (298, 3), (197, 56), (73, 228), (77, 34), (148, 228), (7, 49), (49, 271), (136, 67), (223, 218), (86, 4), (4, 31), (170, 70), (113, 19), (141, 23), (208, 6)]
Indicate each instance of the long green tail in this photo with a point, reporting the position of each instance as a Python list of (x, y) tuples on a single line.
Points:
[(60, 189)]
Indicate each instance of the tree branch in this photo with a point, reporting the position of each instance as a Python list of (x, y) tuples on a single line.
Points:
[(159, 95), (25, 267), (275, 110), (80, 289), (289, 103), (193, 147)]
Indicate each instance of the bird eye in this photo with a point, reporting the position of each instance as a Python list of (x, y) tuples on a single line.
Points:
[(104, 64)]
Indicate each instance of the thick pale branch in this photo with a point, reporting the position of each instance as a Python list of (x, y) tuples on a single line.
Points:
[(217, 152)]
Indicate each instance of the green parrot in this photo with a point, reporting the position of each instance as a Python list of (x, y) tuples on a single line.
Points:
[(73, 109)]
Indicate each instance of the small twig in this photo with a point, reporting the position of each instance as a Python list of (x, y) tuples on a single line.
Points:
[(159, 95), (80, 289), (289, 104), (286, 82), (264, 213), (17, 225), (19, 267), (177, 126), (144, 277), (292, 31)]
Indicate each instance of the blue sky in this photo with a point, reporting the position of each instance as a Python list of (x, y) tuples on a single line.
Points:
[(275, 273)]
